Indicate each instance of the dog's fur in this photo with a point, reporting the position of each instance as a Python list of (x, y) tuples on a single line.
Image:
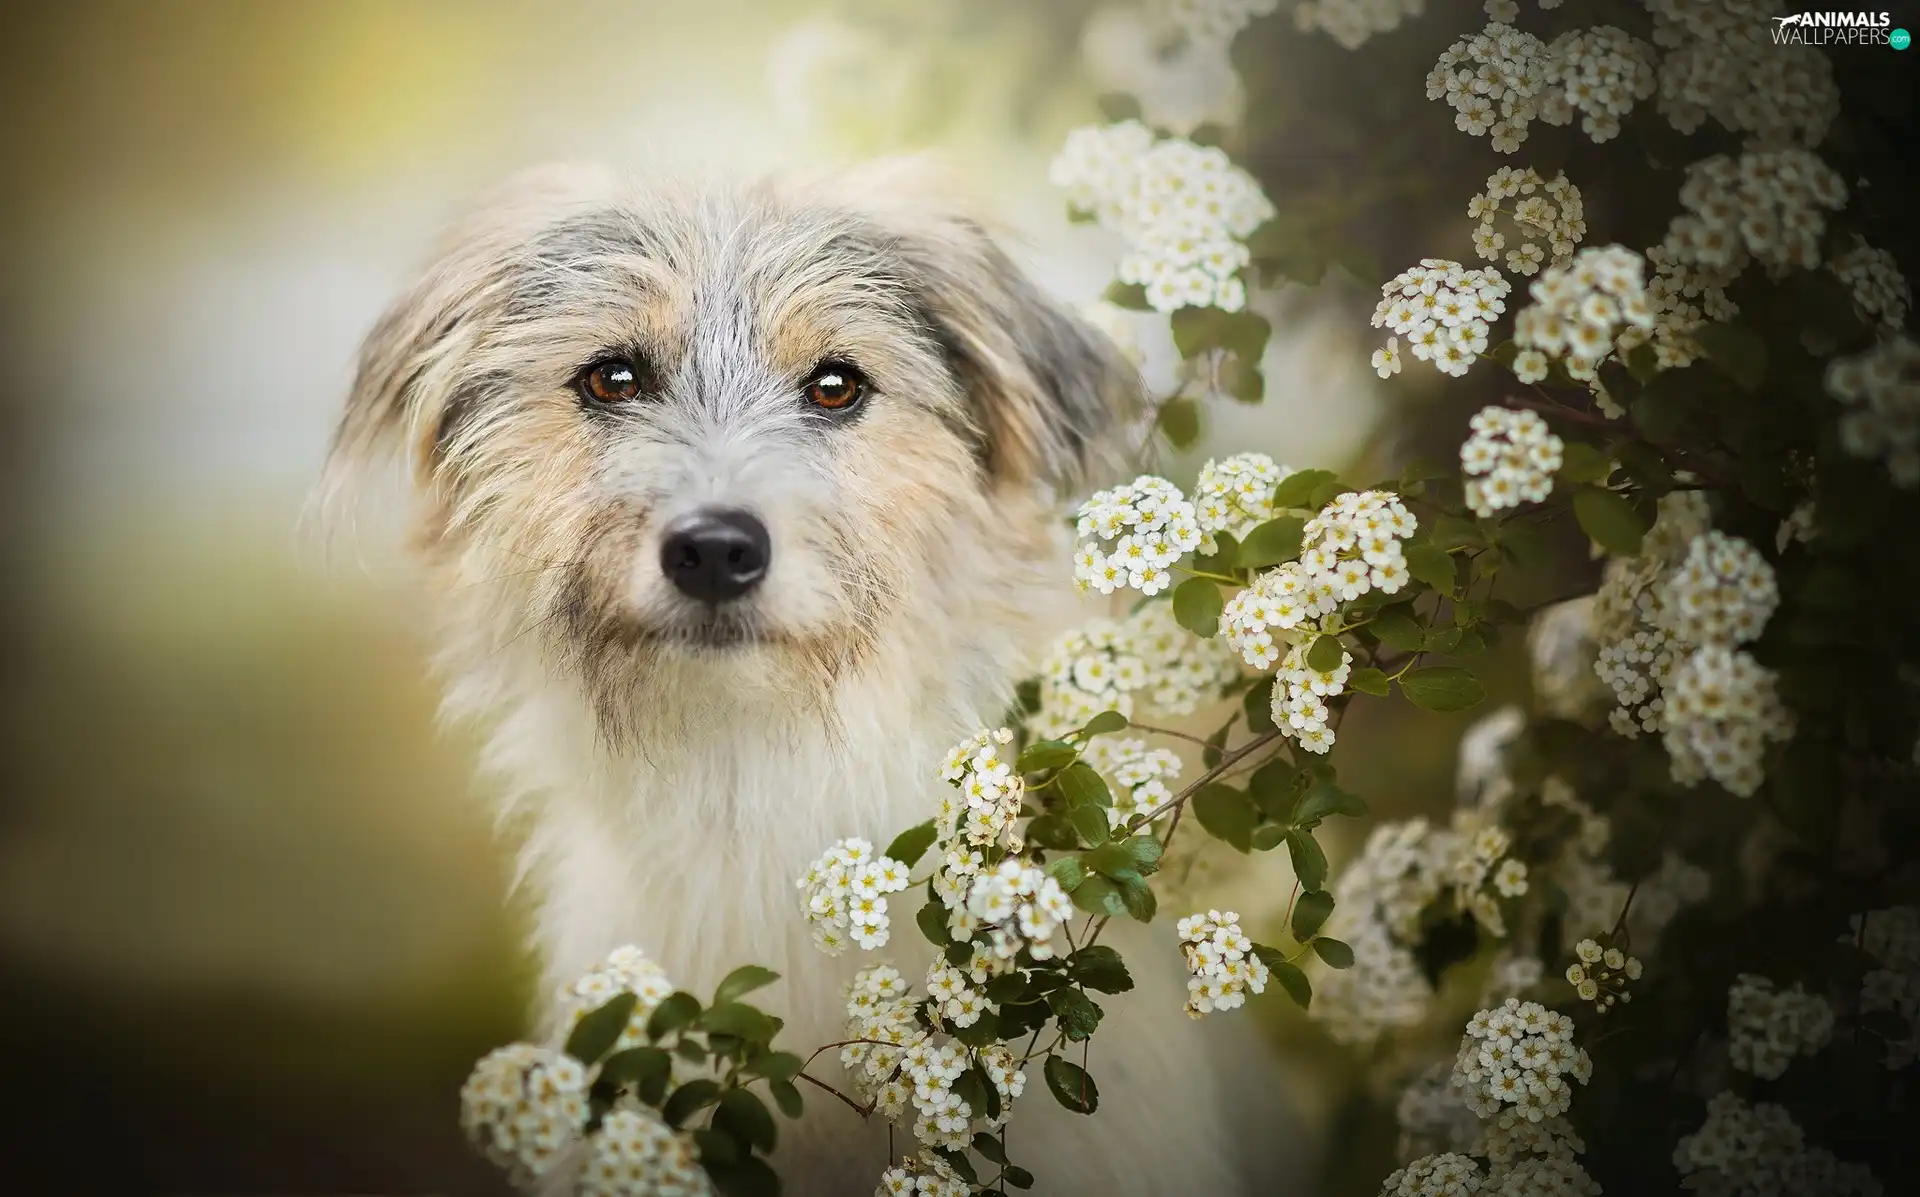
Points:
[(676, 785)]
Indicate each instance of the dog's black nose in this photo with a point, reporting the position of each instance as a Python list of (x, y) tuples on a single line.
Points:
[(716, 555)]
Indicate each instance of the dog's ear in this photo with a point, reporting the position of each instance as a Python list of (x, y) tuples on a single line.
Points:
[(407, 389), (1048, 391)]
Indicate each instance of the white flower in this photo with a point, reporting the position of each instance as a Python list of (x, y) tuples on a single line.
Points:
[(1510, 878), (1581, 307), (1150, 525), (1766, 1027), (1880, 292), (1723, 593), (523, 1106), (1443, 309), (1220, 962), (1880, 390), (1745, 1148), (1510, 1056), (843, 892), (1386, 359), (1352, 22), (625, 970), (1510, 458), (1498, 66), (1145, 661), (1598, 73), (635, 1154), (1722, 62), (1545, 227), (1722, 710)]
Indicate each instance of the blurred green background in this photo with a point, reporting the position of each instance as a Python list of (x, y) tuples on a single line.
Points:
[(254, 922)]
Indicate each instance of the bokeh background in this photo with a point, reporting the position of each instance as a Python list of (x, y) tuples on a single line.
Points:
[(254, 923)]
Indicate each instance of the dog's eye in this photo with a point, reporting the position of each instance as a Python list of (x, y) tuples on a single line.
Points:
[(835, 386), (614, 380)]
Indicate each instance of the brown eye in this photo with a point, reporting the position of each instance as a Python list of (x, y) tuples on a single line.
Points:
[(836, 386), (612, 381)]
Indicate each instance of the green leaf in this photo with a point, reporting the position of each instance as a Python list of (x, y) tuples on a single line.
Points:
[(1136, 854), (989, 1148), (1043, 754), (748, 1176), (1102, 724), (1325, 797), (1257, 702), (744, 1116), (1225, 555), (740, 1020), (1268, 836), (1581, 462), (1275, 541), (1068, 871), (1242, 333), (1215, 751), (1078, 1014), (1309, 862), (1018, 1177), (1100, 968), (1310, 913), (1118, 106), (1092, 824), (775, 1066), (747, 978), (1368, 680), (691, 1050), (692, 1096), (1071, 1086), (1197, 605), (1052, 830), (1131, 296), (1293, 981), (1296, 489), (1442, 688), (910, 845), (1609, 520), (716, 1148), (1431, 564), (1099, 895), (1736, 351), (1137, 896), (1324, 655), (1335, 953), (1179, 420), (932, 921), (647, 1069), (786, 1095), (599, 1029), (1081, 785), (679, 1009), (1227, 814), (1397, 628), (1271, 787)]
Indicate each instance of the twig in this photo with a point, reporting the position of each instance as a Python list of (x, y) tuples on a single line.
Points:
[(1167, 731), (856, 1107), (1226, 762)]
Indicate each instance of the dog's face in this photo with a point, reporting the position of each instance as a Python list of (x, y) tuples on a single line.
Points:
[(673, 429)]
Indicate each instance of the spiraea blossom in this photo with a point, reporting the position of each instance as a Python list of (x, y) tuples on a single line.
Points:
[(1221, 966), (1235, 495), (1351, 22), (1378, 898), (1020, 907), (523, 1106), (844, 895), (1217, 21), (987, 802), (1146, 663), (1881, 294), (1138, 775), (1684, 295), (1578, 311), (1545, 218), (1758, 1150), (1520, 1056), (1723, 709), (1768, 1027), (1723, 62), (1723, 592), (1599, 73), (1767, 206), (635, 1154), (1448, 1174), (1880, 390), (625, 970), (1494, 80), (1601, 973), (1892, 938), (1510, 459), (1184, 210), (1444, 310), (1131, 535), (925, 1175)]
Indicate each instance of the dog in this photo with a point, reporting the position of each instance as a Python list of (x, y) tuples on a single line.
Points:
[(738, 506)]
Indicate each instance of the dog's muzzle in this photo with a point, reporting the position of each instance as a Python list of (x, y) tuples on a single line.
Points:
[(716, 555)]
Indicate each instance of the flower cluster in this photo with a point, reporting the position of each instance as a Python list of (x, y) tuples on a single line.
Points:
[(1892, 938), (925, 1175), (1881, 294), (1722, 710), (1767, 206), (1448, 1174), (1638, 668), (983, 811), (1520, 1055), (1300, 693), (1601, 972), (1139, 774), (1494, 81), (1235, 495), (1215, 21), (523, 1106), (1184, 210), (1444, 310), (625, 970), (1768, 1027), (1510, 459), (1556, 217), (1684, 295), (635, 1154), (1578, 311), (1148, 658), (1220, 962), (1723, 593), (1599, 73), (1151, 525), (1352, 22), (1881, 391), (1755, 1150), (1020, 906), (1722, 62), (844, 894)]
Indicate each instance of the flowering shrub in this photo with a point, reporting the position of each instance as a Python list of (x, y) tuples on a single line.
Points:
[(1677, 883)]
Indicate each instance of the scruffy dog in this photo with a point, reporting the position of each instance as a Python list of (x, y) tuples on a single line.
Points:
[(738, 507)]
